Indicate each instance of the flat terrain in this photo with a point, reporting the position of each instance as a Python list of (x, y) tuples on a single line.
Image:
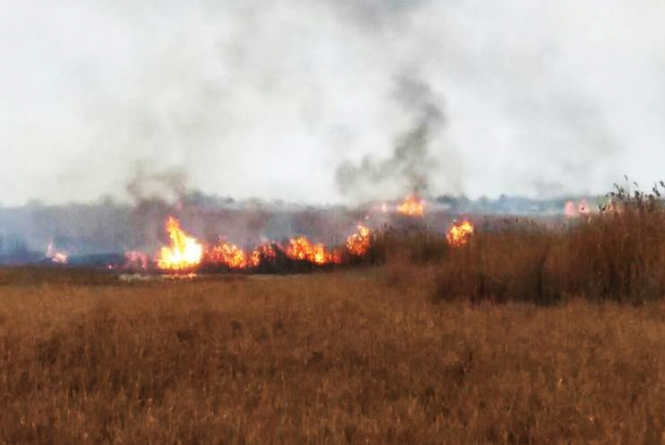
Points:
[(348, 357)]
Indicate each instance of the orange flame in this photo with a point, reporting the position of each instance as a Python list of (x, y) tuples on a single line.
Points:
[(184, 252), (358, 243), (412, 206), (574, 210), (265, 252), (460, 233), (303, 249), (56, 256), (227, 254)]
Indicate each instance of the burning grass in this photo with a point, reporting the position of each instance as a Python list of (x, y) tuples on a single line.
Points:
[(412, 206), (527, 341), (617, 255), (187, 254)]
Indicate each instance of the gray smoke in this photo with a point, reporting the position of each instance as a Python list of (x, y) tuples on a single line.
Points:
[(169, 185), (411, 164), (266, 98)]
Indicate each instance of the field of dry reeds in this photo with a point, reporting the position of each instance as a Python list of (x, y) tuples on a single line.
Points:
[(616, 255), (523, 335)]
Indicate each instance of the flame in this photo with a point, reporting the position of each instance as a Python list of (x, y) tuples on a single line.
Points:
[(235, 258), (460, 233), (412, 206), (359, 242), (56, 256), (184, 252), (136, 259), (227, 254), (303, 249), (263, 253), (574, 210)]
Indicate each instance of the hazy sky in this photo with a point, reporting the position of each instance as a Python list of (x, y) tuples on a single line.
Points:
[(267, 98)]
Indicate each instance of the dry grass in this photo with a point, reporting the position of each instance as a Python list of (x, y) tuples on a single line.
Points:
[(527, 340), (618, 257), (336, 358)]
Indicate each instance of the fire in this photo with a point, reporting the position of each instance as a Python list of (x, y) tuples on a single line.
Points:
[(303, 249), (184, 252), (227, 254), (460, 233), (412, 206), (136, 259), (54, 255), (574, 210), (358, 243), (265, 252)]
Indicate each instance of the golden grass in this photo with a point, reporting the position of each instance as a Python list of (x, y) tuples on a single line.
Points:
[(351, 357), (618, 257)]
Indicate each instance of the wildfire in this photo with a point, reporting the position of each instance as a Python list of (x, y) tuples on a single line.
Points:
[(460, 233), (136, 259), (358, 243), (574, 210), (303, 249), (227, 254), (54, 255), (263, 253), (412, 206), (184, 252)]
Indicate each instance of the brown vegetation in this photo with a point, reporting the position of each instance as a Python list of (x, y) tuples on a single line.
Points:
[(618, 254), (333, 358), (416, 352)]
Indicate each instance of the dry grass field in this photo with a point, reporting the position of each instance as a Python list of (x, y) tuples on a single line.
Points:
[(522, 335), (350, 357)]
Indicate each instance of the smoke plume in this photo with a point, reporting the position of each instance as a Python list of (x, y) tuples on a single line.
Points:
[(260, 98), (411, 164), (169, 185)]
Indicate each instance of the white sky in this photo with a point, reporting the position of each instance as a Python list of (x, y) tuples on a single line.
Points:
[(257, 98)]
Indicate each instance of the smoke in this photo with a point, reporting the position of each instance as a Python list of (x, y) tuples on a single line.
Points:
[(169, 185), (260, 98), (410, 166), (378, 15)]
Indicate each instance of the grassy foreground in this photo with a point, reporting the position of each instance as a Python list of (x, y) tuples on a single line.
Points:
[(354, 357)]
